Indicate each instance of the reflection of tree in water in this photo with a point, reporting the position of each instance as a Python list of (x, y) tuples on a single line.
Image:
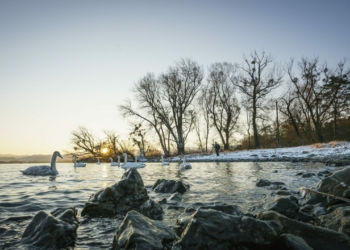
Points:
[(257, 166)]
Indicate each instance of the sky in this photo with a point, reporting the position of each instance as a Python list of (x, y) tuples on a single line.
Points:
[(65, 64)]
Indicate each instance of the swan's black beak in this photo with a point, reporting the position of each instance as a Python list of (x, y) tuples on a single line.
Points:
[(59, 155)]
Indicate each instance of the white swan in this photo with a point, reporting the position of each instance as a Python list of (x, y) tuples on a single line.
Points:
[(44, 170), (98, 161), (135, 164), (184, 164), (115, 163), (78, 164), (164, 162)]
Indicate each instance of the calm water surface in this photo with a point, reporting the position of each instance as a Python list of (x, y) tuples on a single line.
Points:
[(233, 183)]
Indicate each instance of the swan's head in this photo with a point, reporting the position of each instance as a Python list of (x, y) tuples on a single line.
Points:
[(110, 158), (57, 154)]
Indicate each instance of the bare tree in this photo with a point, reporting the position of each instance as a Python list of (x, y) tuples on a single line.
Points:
[(169, 99), (84, 142), (313, 94), (339, 85), (202, 125), (257, 80), (221, 102), (145, 112), (111, 139), (248, 122), (288, 108)]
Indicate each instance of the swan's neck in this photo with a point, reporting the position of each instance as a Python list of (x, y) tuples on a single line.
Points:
[(53, 163), (75, 160), (125, 158), (118, 160), (111, 159), (184, 159)]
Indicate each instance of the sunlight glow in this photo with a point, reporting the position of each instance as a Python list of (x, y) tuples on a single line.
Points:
[(104, 150)]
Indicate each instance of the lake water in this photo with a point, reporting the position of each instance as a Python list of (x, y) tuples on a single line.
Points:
[(232, 183)]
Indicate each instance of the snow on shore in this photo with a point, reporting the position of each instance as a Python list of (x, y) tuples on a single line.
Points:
[(337, 149)]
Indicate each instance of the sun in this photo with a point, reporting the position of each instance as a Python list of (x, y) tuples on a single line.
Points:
[(104, 150)]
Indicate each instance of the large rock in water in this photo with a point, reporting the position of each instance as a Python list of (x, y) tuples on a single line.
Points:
[(211, 229), (128, 194), (337, 184), (186, 216), (48, 232), (170, 186), (316, 237), (139, 232)]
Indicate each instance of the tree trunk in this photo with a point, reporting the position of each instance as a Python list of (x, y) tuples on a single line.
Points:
[(277, 128), (255, 128)]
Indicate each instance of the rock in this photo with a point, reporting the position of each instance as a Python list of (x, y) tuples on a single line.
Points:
[(170, 186), (139, 232), (264, 183), (48, 232), (218, 206), (337, 184), (287, 206), (185, 217), (316, 237), (176, 197), (162, 201), (324, 173), (307, 175), (337, 220), (152, 210), (291, 242), (128, 194), (211, 229), (283, 192)]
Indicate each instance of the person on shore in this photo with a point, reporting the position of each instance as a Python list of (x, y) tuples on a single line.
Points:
[(217, 148)]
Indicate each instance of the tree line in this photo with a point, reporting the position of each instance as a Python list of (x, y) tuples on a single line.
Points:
[(257, 103)]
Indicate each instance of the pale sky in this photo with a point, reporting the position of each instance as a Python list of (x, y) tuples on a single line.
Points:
[(65, 64)]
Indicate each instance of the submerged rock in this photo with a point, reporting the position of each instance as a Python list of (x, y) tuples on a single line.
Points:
[(265, 183), (139, 232), (308, 175), (48, 232), (170, 186), (176, 197), (128, 194)]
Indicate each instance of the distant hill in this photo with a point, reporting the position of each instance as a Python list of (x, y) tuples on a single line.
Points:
[(6, 158)]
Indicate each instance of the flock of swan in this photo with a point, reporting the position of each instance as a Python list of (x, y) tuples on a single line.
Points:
[(51, 170)]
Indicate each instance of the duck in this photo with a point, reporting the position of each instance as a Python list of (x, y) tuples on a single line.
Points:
[(78, 164), (164, 162), (43, 169), (115, 163), (135, 164), (184, 164)]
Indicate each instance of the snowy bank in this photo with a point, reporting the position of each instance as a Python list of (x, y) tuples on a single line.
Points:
[(326, 152)]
